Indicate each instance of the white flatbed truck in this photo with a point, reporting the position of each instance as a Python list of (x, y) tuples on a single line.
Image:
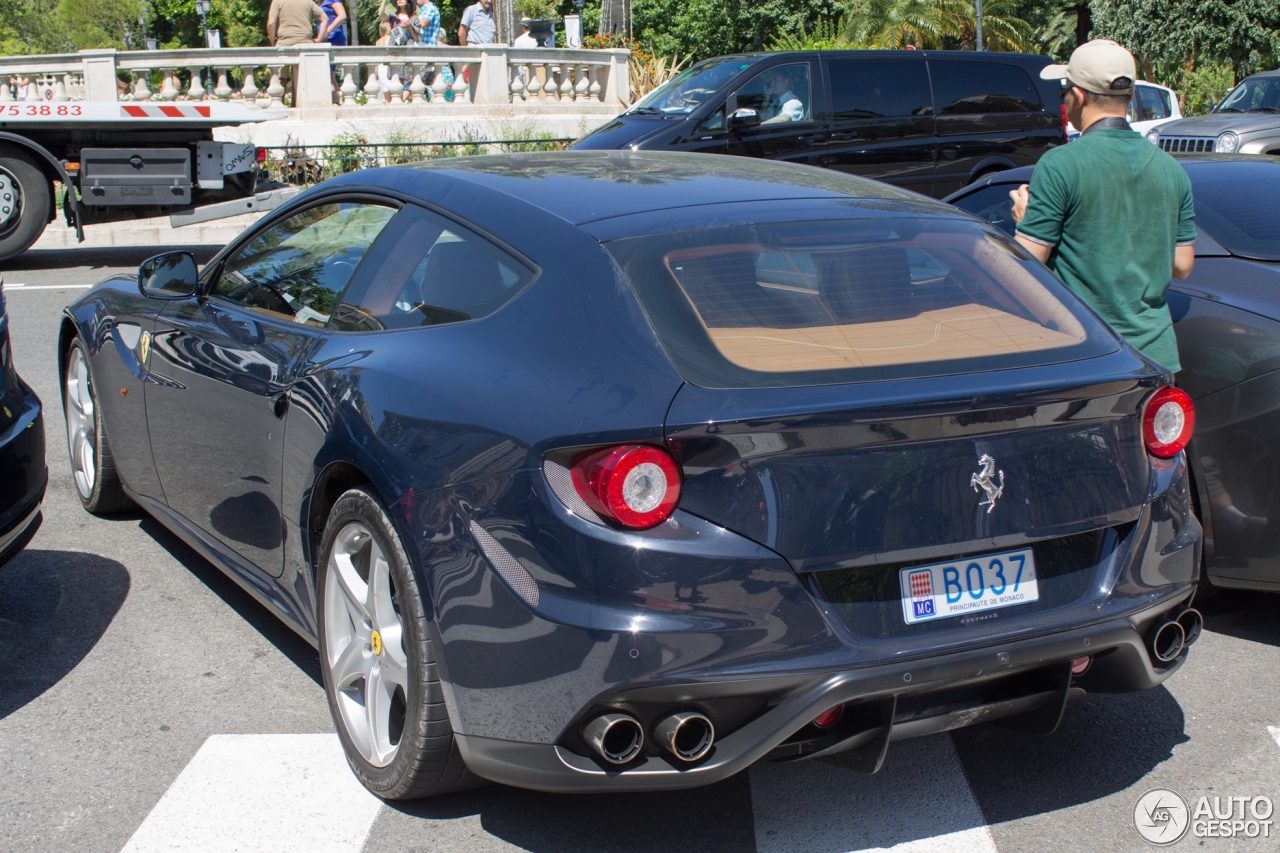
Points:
[(124, 160)]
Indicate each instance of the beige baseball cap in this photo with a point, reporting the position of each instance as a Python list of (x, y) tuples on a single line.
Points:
[(1100, 66)]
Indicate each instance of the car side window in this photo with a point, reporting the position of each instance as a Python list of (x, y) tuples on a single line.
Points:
[(882, 88), (780, 94), (992, 204), (1150, 104), (713, 123), (297, 268), (963, 88), (426, 271)]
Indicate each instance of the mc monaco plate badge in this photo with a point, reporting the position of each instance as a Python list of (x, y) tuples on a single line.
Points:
[(941, 590)]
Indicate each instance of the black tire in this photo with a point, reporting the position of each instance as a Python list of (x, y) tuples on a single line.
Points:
[(426, 761), (35, 200), (105, 494)]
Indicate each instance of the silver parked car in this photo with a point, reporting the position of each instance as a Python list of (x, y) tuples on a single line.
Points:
[(1246, 122)]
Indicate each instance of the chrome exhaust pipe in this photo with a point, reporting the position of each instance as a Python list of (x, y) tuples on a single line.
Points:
[(1166, 642), (1192, 624), (686, 734), (617, 738)]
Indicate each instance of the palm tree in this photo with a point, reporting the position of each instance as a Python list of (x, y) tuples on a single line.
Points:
[(895, 24), (1002, 29), (927, 24)]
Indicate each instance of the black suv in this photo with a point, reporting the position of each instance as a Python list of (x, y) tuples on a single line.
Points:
[(930, 121)]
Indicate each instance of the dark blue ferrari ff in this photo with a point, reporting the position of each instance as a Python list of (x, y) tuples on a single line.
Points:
[(612, 471)]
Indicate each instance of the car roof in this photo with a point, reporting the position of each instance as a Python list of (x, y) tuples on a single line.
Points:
[(1198, 166), (963, 55), (588, 186)]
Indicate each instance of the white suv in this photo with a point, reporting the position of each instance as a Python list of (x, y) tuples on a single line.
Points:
[(1151, 107)]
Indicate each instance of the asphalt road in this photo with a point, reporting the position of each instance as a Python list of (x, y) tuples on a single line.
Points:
[(146, 703)]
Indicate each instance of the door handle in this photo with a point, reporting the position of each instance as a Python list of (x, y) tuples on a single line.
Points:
[(843, 135), (810, 138)]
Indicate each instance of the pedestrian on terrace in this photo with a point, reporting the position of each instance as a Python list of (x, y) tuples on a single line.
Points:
[(291, 22), (477, 25), (333, 30), (427, 22), (1110, 214)]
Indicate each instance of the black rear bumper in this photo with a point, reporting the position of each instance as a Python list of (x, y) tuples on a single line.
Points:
[(918, 690)]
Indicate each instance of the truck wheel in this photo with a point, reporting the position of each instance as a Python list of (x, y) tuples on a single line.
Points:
[(26, 196)]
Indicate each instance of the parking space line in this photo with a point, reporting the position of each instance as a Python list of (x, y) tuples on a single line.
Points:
[(281, 793), (1275, 733), (920, 801)]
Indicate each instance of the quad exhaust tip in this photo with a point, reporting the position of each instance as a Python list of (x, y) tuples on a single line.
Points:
[(1167, 642), (1192, 624), (617, 738), (687, 735)]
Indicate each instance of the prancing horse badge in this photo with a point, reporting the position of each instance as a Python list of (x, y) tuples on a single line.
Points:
[(985, 480)]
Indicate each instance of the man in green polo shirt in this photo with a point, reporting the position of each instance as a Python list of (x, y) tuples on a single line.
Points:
[(1110, 213)]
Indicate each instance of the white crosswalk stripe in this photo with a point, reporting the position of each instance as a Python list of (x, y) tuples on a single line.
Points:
[(920, 801), (286, 793), (282, 793)]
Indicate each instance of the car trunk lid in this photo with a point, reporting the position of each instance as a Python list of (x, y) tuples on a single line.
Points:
[(866, 481)]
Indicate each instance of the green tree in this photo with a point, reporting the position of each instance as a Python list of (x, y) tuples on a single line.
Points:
[(698, 29), (827, 34), (936, 24), (1167, 36), (31, 26), (99, 23), (895, 24)]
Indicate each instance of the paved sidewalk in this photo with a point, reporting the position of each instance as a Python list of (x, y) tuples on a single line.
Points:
[(145, 232)]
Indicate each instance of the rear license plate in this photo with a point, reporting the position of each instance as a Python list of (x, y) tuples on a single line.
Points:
[(941, 590)]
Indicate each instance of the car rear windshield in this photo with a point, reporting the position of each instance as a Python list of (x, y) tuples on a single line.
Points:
[(814, 303), (1235, 204)]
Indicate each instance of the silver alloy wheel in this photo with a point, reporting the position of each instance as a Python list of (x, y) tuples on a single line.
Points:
[(10, 199), (81, 426), (368, 671)]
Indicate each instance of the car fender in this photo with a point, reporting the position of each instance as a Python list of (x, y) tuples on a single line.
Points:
[(1268, 144), (990, 165)]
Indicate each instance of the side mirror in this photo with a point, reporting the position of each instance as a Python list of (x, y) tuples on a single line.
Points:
[(172, 275), (743, 118)]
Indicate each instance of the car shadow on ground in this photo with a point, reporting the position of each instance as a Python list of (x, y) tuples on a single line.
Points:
[(54, 607), (1105, 744), (299, 651), (1245, 615), (99, 257), (713, 819)]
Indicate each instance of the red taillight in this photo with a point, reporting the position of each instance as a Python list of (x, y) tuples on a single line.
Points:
[(633, 485), (1080, 666), (1168, 420), (262, 154), (1062, 109), (829, 717)]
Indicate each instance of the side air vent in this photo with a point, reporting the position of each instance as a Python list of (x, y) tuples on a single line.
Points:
[(561, 482), (506, 565)]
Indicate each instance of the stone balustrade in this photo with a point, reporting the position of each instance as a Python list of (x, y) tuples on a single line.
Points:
[(310, 77)]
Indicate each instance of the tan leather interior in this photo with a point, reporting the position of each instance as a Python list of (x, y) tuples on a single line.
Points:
[(957, 332)]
